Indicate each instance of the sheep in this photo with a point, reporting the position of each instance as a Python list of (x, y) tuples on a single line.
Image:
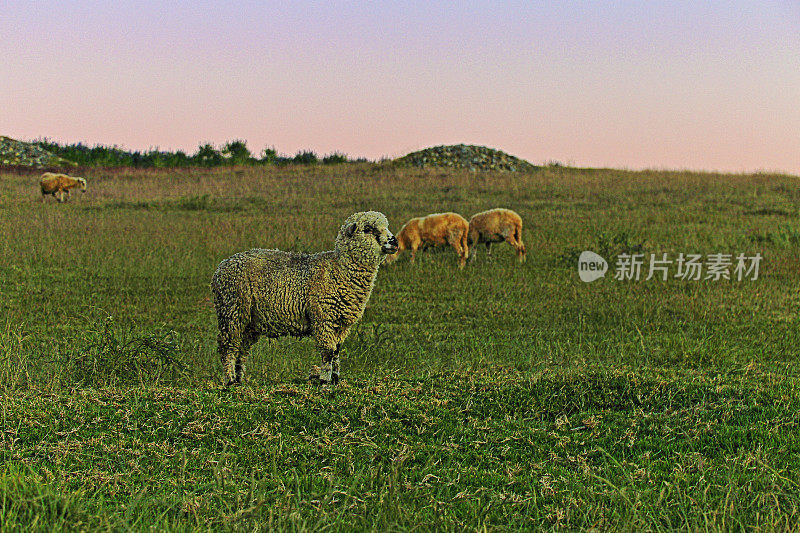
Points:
[(60, 183), (496, 225), (275, 293), (434, 230)]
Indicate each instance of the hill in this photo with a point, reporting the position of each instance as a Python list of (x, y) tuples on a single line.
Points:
[(19, 153), (472, 157)]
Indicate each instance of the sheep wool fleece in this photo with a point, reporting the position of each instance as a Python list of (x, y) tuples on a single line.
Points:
[(275, 293)]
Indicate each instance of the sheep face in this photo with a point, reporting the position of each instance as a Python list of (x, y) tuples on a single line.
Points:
[(82, 182), (365, 237)]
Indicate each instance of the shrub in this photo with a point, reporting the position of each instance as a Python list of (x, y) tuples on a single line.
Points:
[(305, 157), (207, 156), (334, 159), (236, 152), (269, 155)]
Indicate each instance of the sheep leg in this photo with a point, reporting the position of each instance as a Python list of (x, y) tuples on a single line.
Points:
[(335, 365), (249, 339), (460, 252), (473, 239), (464, 249), (326, 368), (414, 248), (228, 354), (329, 371), (488, 248), (328, 345), (229, 344), (518, 246), (327, 335), (330, 364), (458, 243), (521, 252)]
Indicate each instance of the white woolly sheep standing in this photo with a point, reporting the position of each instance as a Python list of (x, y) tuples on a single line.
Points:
[(275, 293), (496, 225), (437, 229), (53, 184)]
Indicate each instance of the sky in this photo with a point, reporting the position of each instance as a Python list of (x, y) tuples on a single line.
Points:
[(626, 84)]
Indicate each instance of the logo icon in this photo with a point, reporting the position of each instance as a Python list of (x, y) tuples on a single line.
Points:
[(591, 266)]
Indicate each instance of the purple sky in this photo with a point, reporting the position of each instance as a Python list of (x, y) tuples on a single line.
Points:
[(633, 84)]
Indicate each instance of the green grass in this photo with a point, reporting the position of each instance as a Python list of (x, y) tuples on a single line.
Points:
[(502, 396)]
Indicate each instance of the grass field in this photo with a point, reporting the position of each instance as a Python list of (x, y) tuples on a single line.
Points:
[(500, 397)]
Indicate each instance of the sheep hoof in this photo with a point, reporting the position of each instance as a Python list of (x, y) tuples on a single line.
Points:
[(313, 376)]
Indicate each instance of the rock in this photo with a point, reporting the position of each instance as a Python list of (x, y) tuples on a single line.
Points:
[(471, 157), (19, 153)]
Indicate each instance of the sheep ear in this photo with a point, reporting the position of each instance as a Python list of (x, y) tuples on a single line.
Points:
[(350, 230)]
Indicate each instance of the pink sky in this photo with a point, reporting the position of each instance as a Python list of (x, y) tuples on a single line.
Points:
[(680, 85)]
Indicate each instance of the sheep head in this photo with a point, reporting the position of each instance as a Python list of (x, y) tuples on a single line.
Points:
[(365, 238), (82, 182)]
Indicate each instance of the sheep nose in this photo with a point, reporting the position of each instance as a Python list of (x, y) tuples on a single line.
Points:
[(393, 241)]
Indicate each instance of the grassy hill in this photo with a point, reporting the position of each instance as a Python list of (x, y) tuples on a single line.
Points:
[(25, 154), (465, 156), (502, 396)]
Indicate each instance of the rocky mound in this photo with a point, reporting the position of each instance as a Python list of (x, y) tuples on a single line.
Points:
[(475, 158), (18, 153)]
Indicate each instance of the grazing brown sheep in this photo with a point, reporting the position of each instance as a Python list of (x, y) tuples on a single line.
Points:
[(60, 183), (448, 229), (496, 225)]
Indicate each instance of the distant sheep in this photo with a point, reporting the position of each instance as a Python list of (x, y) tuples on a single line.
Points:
[(275, 293), (60, 183), (434, 230), (496, 225)]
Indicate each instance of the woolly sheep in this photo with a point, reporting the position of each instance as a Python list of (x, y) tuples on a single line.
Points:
[(60, 183), (434, 230), (275, 293), (496, 225)]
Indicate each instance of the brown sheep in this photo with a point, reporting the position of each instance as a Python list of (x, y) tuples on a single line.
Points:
[(434, 230), (496, 225), (60, 183)]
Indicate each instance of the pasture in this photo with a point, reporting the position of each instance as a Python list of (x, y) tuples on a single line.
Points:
[(500, 397)]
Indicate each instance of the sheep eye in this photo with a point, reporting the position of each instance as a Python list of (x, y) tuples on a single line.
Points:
[(369, 229)]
